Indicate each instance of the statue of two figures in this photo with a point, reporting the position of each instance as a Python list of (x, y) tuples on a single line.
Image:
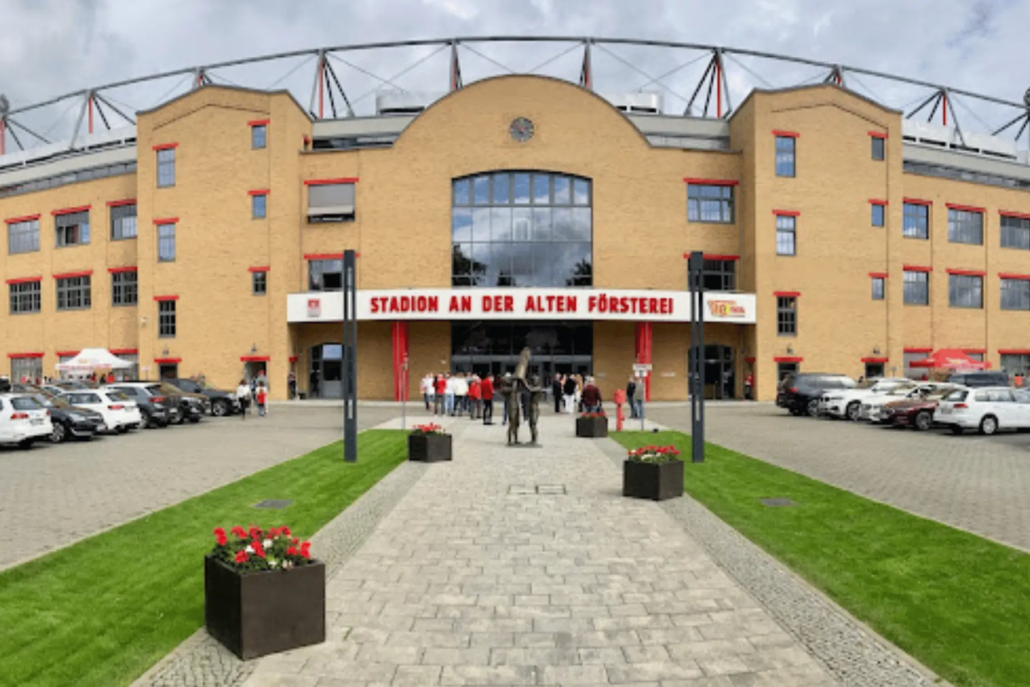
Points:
[(523, 396)]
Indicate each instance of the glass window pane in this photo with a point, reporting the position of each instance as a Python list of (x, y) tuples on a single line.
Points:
[(562, 191), (522, 188), (542, 189), (522, 221), (541, 224), (461, 224), (543, 265), (502, 189), (500, 224), (581, 224), (481, 190), (500, 268), (481, 263), (562, 224), (581, 192), (461, 259), (462, 188), (481, 224)]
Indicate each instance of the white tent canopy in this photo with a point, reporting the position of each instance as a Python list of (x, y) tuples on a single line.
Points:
[(93, 359)]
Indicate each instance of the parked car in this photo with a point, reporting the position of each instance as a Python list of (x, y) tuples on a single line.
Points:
[(222, 402), (980, 378), (153, 407), (120, 413), (181, 405), (68, 420), (799, 392), (23, 420), (840, 403), (873, 407), (70, 384), (986, 409), (916, 412)]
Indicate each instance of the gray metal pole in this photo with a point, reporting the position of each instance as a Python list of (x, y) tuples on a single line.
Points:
[(695, 267), (404, 393), (643, 397), (350, 355)]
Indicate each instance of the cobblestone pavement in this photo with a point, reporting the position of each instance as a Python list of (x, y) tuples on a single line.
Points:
[(975, 483), (51, 496), (485, 573)]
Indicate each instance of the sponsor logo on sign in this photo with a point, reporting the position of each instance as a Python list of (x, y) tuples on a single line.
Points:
[(314, 307), (725, 309)]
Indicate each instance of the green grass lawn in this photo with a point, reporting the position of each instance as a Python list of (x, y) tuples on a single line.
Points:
[(956, 602), (103, 611)]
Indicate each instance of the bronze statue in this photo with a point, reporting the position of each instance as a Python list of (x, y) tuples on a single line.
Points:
[(536, 392), (513, 388)]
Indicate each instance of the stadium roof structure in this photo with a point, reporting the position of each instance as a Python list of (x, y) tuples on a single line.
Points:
[(706, 80)]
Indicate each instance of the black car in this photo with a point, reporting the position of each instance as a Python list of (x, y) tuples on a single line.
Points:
[(67, 420), (799, 392), (152, 405), (181, 405), (980, 378), (222, 402)]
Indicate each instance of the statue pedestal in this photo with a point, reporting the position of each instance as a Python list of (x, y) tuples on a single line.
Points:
[(524, 445)]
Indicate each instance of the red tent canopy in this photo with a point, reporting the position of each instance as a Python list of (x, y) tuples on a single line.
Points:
[(950, 359)]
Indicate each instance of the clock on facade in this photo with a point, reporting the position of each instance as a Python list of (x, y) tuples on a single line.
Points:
[(521, 129)]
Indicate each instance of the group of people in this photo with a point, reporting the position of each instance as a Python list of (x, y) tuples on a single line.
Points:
[(572, 393), (253, 393), (458, 394)]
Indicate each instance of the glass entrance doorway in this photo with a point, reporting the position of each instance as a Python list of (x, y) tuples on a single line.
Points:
[(720, 372), (325, 378), (486, 348)]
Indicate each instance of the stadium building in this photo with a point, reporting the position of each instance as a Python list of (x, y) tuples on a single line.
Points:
[(839, 235)]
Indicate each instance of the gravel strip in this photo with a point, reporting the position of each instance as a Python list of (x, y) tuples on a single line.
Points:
[(201, 661), (851, 652)]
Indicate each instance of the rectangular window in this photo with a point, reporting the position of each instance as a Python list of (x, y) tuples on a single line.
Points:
[(331, 203), (23, 237), (719, 275), (26, 297), (166, 319), (260, 283), (1015, 232), (72, 229), (1015, 363), (878, 212), (258, 136), (786, 233), (917, 221), (965, 291), (785, 156), (710, 203), (787, 315), (166, 242), (123, 222), (325, 275), (258, 205), (917, 288), (878, 288), (879, 148), (124, 288), (74, 293), (1015, 294), (965, 226), (166, 167)]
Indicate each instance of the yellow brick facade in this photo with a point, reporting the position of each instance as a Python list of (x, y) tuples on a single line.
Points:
[(402, 234)]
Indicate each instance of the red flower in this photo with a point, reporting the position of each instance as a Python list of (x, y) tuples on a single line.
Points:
[(286, 530), (291, 551), (219, 532), (242, 557), (222, 539), (273, 533), (256, 533), (258, 549), (305, 549), (239, 532), (295, 541)]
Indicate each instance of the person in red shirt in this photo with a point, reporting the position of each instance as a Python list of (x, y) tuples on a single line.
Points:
[(591, 397), (441, 387), (110, 377), (475, 397), (486, 391)]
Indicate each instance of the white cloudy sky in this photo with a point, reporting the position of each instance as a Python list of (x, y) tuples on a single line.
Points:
[(51, 47)]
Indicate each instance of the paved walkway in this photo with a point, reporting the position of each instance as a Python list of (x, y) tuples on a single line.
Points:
[(525, 567), (979, 484)]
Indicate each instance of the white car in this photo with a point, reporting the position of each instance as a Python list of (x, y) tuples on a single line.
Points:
[(23, 420), (985, 409), (847, 403), (120, 413), (873, 407)]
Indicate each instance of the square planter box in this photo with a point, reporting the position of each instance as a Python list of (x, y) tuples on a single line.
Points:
[(651, 481), (592, 427), (261, 613), (429, 448)]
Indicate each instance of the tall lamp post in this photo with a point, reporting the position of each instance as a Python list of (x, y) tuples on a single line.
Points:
[(350, 359), (695, 362)]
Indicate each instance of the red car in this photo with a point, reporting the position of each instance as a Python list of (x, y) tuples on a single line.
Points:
[(916, 413)]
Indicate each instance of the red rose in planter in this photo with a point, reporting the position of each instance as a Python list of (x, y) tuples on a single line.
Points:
[(220, 536), (286, 530), (239, 532), (242, 557), (305, 549)]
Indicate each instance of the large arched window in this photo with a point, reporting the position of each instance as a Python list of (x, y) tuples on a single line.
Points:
[(522, 229)]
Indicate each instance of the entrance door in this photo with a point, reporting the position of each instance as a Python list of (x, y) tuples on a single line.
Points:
[(873, 370), (784, 369), (168, 370), (720, 372), (252, 369), (326, 374)]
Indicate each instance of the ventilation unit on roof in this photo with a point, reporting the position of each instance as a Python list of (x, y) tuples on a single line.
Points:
[(636, 103), (404, 103), (948, 137)]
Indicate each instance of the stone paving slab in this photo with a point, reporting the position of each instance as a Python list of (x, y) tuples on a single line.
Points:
[(465, 583)]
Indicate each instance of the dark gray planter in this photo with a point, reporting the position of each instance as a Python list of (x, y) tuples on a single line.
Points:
[(592, 427), (429, 448), (657, 482), (260, 613)]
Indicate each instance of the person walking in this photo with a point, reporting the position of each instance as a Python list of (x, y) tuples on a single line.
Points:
[(749, 385), (438, 400), (313, 384), (631, 391), (579, 393), (507, 385), (448, 395), (569, 394), (475, 398), (461, 393), (486, 389), (291, 385), (262, 398), (591, 396), (427, 386), (556, 392), (243, 396)]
